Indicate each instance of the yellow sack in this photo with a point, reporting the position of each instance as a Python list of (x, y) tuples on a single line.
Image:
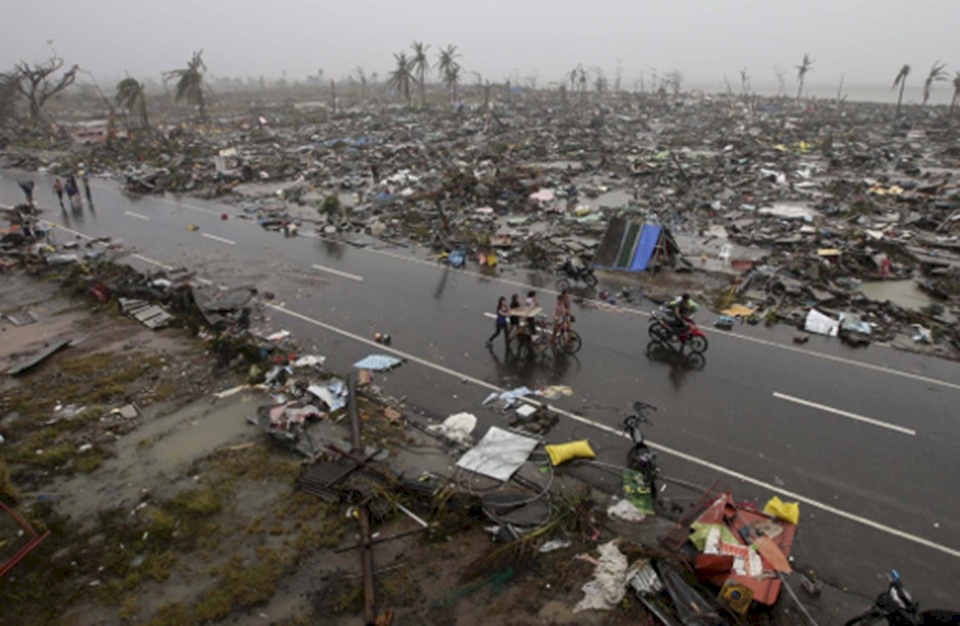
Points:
[(787, 511), (563, 452)]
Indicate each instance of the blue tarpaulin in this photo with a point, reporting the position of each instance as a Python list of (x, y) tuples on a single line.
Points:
[(647, 244)]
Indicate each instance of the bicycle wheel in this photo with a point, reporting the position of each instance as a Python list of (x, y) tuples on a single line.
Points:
[(698, 344), (540, 342), (590, 279), (563, 283), (571, 342)]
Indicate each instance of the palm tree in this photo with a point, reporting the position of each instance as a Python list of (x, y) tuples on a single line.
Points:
[(936, 75), (362, 77), (802, 70), (955, 101), (130, 96), (190, 83), (402, 76), (901, 80), (448, 68), (421, 66)]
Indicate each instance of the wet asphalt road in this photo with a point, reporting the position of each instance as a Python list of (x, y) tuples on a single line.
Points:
[(866, 439)]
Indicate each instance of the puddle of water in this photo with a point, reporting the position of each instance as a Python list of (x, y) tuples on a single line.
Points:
[(903, 293)]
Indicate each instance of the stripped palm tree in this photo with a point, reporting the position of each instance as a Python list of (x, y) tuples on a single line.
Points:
[(421, 66), (449, 69), (190, 85), (955, 101), (936, 75), (402, 75), (130, 96), (802, 70), (901, 80)]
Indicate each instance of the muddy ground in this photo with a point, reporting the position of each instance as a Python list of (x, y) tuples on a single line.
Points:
[(186, 514)]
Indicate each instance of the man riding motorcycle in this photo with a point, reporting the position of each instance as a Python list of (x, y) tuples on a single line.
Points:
[(681, 309)]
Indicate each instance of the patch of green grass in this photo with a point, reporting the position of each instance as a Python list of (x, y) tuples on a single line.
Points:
[(256, 463), (349, 599), (240, 586), (49, 456), (26, 449), (88, 366), (128, 609), (164, 390), (159, 522), (8, 493), (87, 463), (158, 566), (199, 501)]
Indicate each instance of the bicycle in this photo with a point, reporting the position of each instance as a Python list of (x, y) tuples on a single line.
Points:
[(567, 340), (641, 458)]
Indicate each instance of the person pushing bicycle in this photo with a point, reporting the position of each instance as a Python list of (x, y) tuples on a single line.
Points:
[(562, 317)]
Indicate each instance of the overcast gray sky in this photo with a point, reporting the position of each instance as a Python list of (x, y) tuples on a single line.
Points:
[(865, 40)]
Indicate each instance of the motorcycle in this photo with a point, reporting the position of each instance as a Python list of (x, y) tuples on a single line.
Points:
[(568, 271), (898, 608), (641, 458), (662, 330)]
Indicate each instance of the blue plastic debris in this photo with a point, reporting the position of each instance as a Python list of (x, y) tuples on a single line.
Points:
[(724, 322), (457, 259)]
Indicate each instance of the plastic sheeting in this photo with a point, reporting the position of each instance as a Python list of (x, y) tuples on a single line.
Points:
[(456, 427), (499, 454), (649, 237), (609, 583), (378, 362), (821, 324)]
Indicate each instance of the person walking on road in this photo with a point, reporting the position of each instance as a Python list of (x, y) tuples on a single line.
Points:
[(58, 189), (85, 177), (27, 187), (514, 320), (76, 202), (73, 194), (561, 315), (503, 312)]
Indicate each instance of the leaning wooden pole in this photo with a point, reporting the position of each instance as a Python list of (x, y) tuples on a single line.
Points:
[(366, 550)]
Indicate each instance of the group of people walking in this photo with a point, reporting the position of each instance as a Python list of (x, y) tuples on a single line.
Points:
[(72, 189), (522, 323)]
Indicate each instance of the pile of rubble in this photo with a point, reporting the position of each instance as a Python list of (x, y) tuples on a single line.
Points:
[(803, 204)]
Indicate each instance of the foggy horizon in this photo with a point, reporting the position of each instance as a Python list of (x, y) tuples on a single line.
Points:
[(706, 41)]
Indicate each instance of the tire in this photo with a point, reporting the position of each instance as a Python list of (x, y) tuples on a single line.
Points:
[(572, 342), (562, 284), (590, 279), (871, 616), (540, 343), (658, 332), (698, 344)]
